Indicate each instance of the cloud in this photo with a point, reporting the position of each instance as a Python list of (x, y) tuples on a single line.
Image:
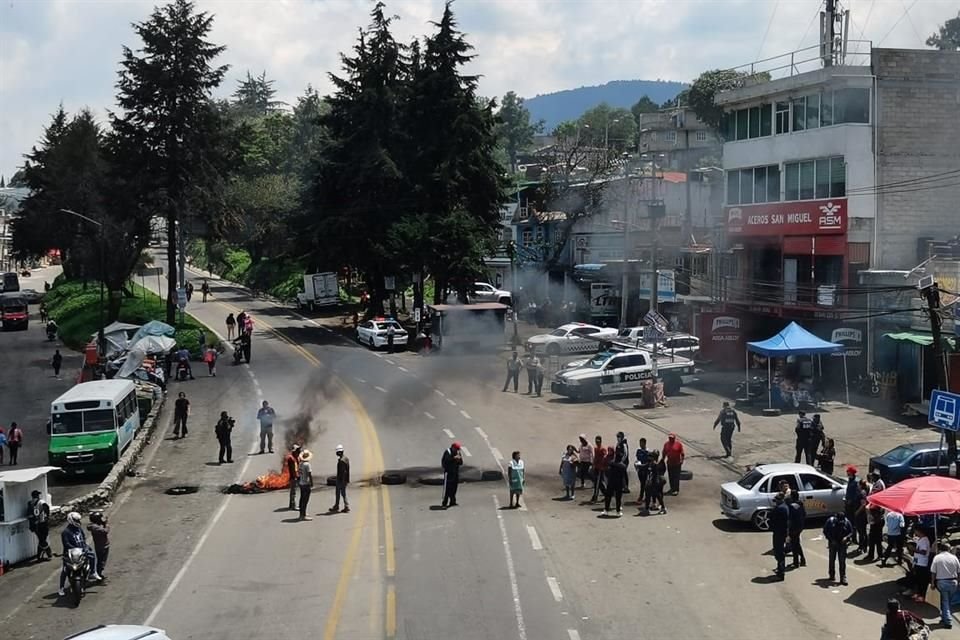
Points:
[(68, 50)]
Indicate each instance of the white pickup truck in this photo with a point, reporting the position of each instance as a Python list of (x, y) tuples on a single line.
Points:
[(319, 290), (616, 372)]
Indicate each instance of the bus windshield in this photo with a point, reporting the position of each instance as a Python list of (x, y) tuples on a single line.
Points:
[(90, 421)]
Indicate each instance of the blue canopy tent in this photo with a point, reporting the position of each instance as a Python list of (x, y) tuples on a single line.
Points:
[(793, 340)]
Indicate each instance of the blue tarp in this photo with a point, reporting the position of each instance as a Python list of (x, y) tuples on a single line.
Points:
[(153, 328), (793, 340)]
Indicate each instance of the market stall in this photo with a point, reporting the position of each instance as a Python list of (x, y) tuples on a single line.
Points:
[(17, 543), (792, 340)]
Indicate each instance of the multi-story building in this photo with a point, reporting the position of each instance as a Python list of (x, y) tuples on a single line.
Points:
[(832, 173), (678, 138), (10, 198)]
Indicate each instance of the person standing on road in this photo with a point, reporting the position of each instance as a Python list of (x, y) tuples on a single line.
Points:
[(527, 363), (516, 477), (513, 372), (921, 564), (815, 439), (391, 336), (728, 419), (616, 480), (656, 470), (56, 362), (568, 471), (798, 519), (599, 469), (642, 466), (851, 499), (231, 326), (14, 442), (837, 532), (241, 322), (827, 455), (224, 431), (537, 366), (189, 290), (343, 479), (673, 455), (876, 483), (895, 524), (99, 530), (451, 462), (803, 430), (944, 573), (585, 457), (860, 517), (875, 532), (305, 480), (780, 527), (265, 416), (210, 357), (181, 411), (205, 290), (622, 450), (38, 520), (292, 464)]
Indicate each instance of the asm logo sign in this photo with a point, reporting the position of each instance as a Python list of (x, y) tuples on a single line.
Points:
[(830, 217)]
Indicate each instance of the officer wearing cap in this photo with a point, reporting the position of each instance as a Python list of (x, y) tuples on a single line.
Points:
[(728, 420)]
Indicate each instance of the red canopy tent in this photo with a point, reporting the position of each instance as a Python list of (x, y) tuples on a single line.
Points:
[(928, 495)]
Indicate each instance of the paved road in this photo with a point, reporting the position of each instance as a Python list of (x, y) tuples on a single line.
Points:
[(394, 567), (27, 387)]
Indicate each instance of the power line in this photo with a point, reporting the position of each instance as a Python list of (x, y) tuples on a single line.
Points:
[(905, 12), (910, 20), (809, 24), (909, 181), (766, 32)]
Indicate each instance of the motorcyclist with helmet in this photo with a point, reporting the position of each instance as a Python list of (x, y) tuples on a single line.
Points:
[(73, 537)]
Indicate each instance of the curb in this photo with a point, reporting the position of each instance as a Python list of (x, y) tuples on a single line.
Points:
[(106, 489)]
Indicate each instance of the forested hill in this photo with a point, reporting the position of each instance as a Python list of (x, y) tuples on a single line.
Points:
[(554, 108)]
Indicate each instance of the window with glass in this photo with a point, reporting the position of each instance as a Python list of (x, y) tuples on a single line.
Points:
[(752, 186), (754, 113), (766, 120), (826, 109), (791, 182), (807, 173), (838, 177), (733, 187), (701, 136), (670, 136), (746, 186), (743, 119), (782, 117), (851, 105), (822, 179), (813, 111), (818, 178), (526, 237), (773, 183), (799, 114)]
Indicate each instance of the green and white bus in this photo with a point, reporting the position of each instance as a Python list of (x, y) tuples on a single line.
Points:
[(92, 424)]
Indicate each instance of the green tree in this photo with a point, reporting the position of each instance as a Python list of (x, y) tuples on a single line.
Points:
[(640, 107), (255, 95), (608, 127), (309, 135), (700, 96), (169, 136), (514, 128), (948, 37)]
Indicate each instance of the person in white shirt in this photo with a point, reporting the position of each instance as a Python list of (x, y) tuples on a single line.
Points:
[(894, 523), (944, 574), (921, 565), (878, 484), (266, 416)]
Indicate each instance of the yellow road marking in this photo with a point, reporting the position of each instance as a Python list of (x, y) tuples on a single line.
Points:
[(389, 549), (346, 573), (391, 624)]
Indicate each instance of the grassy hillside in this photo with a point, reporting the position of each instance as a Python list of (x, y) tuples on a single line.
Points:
[(77, 312), (554, 108)]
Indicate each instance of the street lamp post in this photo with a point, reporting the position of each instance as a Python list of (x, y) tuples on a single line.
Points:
[(101, 339)]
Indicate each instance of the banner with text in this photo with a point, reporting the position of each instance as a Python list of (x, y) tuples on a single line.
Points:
[(809, 217)]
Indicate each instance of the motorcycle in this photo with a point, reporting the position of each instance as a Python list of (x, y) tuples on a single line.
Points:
[(77, 564), (758, 386), (51, 335), (183, 372)]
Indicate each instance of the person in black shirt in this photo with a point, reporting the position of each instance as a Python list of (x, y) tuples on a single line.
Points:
[(224, 430), (451, 461), (57, 362), (780, 527), (798, 518), (38, 519), (181, 410), (343, 479), (728, 420)]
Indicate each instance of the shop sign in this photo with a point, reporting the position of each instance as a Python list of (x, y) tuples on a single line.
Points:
[(721, 339), (809, 217), (851, 339), (666, 289)]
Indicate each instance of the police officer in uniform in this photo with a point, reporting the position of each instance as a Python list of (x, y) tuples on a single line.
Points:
[(728, 419), (451, 461)]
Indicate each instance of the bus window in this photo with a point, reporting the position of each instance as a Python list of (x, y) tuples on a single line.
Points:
[(98, 420), (67, 423)]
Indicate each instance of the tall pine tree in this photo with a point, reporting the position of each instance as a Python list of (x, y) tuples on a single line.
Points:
[(168, 133)]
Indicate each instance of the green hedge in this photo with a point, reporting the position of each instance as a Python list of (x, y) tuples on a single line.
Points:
[(279, 277), (76, 310)]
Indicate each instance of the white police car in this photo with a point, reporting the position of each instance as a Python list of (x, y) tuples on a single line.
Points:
[(616, 372), (375, 332), (575, 337), (120, 632)]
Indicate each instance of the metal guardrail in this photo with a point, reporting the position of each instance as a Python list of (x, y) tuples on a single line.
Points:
[(803, 60)]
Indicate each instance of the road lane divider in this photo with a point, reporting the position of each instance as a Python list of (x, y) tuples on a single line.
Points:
[(465, 414), (554, 588), (534, 538), (511, 572), (449, 433)]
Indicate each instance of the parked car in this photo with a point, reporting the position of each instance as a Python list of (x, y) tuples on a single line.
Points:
[(680, 344), (374, 333), (575, 337), (120, 632), (911, 461), (750, 498), (486, 292), (618, 372)]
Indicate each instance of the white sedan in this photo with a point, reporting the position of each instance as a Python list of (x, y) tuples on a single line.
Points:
[(750, 499), (575, 337), (374, 332)]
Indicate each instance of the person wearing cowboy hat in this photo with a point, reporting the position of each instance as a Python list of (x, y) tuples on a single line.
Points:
[(451, 462), (305, 481), (343, 479)]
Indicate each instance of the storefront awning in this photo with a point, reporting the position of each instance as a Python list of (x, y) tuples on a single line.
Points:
[(922, 339)]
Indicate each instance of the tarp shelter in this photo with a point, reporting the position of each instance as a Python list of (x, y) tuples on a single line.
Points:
[(153, 328), (154, 344), (793, 340), (116, 335), (17, 542)]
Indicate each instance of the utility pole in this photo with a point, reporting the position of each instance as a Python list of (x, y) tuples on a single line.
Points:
[(932, 296), (625, 279)]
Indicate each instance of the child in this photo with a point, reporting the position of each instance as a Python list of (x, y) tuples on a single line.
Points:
[(516, 479)]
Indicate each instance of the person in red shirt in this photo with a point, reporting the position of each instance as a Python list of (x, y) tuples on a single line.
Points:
[(673, 453)]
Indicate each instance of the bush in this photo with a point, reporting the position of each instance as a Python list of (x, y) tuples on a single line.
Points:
[(279, 277)]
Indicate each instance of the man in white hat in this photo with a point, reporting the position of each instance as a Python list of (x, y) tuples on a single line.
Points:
[(343, 479), (306, 482)]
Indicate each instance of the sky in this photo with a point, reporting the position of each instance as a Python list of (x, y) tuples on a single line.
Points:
[(54, 51)]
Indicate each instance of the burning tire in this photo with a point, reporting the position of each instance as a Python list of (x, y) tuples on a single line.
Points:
[(393, 478), (331, 481)]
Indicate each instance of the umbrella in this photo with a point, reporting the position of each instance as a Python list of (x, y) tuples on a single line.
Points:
[(920, 496), (154, 344)]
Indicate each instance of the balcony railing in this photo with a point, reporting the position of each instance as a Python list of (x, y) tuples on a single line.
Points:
[(857, 54)]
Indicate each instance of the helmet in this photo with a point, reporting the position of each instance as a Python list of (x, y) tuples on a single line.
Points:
[(96, 517), (73, 518)]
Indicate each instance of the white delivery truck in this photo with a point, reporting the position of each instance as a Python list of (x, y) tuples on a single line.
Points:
[(319, 290)]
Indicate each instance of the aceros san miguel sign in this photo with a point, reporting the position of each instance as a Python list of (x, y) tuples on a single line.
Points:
[(804, 218)]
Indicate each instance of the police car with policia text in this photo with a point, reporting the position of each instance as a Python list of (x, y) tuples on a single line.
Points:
[(616, 372), (375, 332)]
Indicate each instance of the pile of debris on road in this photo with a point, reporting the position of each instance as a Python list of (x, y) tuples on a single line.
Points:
[(272, 481)]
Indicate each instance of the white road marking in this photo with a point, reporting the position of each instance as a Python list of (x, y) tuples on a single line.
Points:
[(361, 380), (389, 361), (409, 404), (574, 634), (452, 403), (514, 587), (466, 451), (534, 538), (523, 507), (465, 414), (379, 355), (449, 433), (404, 369), (482, 434), (496, 454), (554, 588), (429, 415), (439, 393), (380, 389)]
